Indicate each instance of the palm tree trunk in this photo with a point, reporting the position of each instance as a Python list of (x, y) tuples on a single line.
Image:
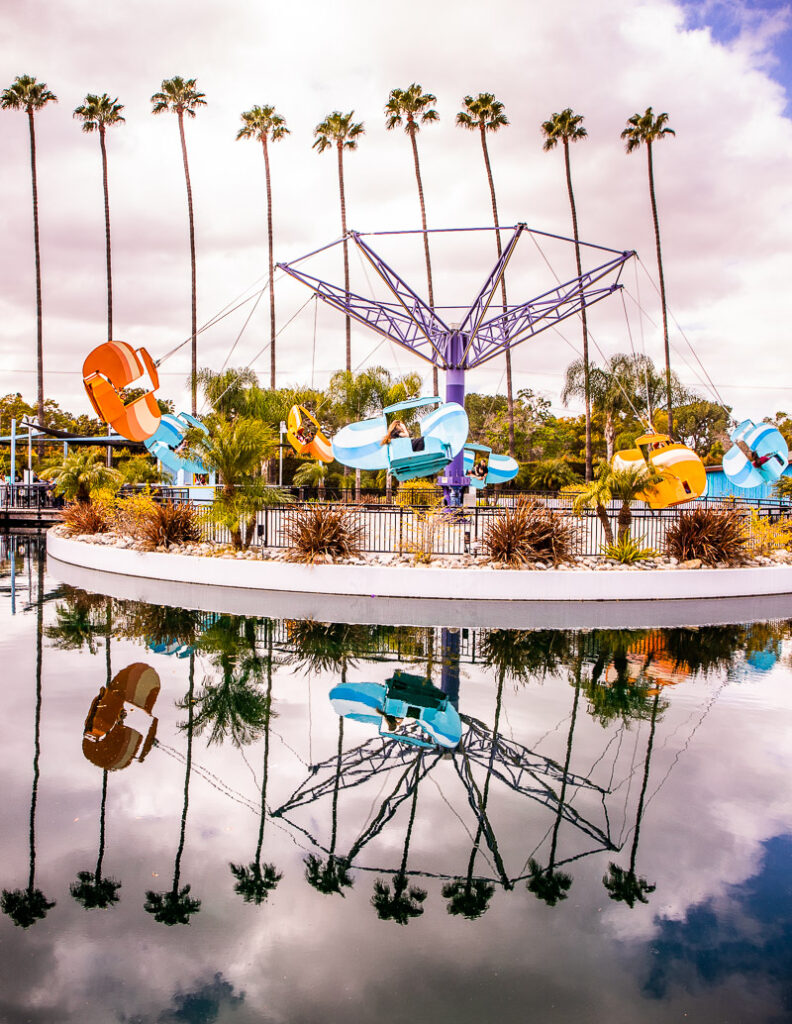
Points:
[(271, 261), (342, 196), (509, 385), (647, 762), (430, 286), (265, 767), (107, 235), (100, 856), (586, 381), (662, 290), (624, 520), (194, 321), (187, 770), (336, 784), (37, 251), (610, 435), (562, 797), (37, 728), (408, 836)]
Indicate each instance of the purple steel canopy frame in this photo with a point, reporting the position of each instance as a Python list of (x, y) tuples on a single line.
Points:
[(417, 326)]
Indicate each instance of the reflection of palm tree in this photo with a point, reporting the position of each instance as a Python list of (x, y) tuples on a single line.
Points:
[(26, 906), (92, 889), (546, 883), (177, 905), (235, 706), (470, 897), (405, 901), (256, 880), (623, 696), (332, 876), (625, 886), (523, 653)]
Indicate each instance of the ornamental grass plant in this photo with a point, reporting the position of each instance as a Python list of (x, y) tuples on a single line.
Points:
[(81, 518), (528, 532), (323, 533), (169, 523), (711, 535)]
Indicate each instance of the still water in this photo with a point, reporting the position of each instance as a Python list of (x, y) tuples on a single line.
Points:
[(216, 818)]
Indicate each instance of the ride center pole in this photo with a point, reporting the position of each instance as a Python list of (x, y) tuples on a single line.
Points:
[(454, 480)]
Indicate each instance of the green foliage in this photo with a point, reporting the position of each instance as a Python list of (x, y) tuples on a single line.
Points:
[(551, 475), (468, 898), (625, 886), (628, 550), (327, 878), (783, 488), (547, 884), (173, 907), (424, 494), (82, 474), (712, 535), (311, 473), (95, 891), (323, 533), (139, 469), (254, 882), (25, 906), (528, 532), (401, 904)]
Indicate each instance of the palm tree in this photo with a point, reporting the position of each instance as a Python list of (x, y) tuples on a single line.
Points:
[(568, 127), (229, 392), (406, 901), (333, 875), (27, 906), (311, 473), (97, 114), (263, 124), (180, 96), (81, 474), (548, 884), (646, 128), (625, 886), (176, 905), (414, 108), (92, 888), (341, 131), (255, 881), (29, 95), (483, 113)]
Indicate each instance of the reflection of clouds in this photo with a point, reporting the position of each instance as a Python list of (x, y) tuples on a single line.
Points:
[(204, 1003)]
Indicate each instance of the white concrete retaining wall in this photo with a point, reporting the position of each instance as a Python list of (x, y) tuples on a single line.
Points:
[(483, 584)]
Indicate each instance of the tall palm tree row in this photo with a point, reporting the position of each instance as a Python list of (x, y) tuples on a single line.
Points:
[(413, 107), (483, 113), (25, 93), (180, 96), (646, 129), (341, 131), (97, 114), (265, 125), (568, 127)]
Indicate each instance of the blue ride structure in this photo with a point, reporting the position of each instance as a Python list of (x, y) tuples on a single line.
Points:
[(484, 467), (758, 456), (164, 444)]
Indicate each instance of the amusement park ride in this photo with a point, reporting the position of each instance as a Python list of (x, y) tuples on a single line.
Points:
[(458, 343)]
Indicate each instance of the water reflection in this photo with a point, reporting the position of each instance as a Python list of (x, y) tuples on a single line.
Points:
[(431, 777)]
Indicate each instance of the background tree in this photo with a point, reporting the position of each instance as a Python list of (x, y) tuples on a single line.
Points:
[(568, 127), (483, 113), (97, 114), (180, 96), (341, 131), (81, 474), (29, 95), (263, 124), (413, 107), (647, 129), (405, 901)]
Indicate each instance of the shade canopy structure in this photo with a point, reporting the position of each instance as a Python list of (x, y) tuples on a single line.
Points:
[(456, 339)]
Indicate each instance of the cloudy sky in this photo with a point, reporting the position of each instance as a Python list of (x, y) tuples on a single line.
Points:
[(720, 68)]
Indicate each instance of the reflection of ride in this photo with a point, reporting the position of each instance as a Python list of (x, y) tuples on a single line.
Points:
[(484, 467), (681, 471), (120, 726), (164, 444), (759, 455), (403, 698), (110, 368), (443, 432), (305, 435)]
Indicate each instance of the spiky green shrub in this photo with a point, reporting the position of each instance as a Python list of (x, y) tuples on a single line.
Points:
[(78, 517), (628, 550), (713, 535), (323, 532), (528, 532), (168, 523)]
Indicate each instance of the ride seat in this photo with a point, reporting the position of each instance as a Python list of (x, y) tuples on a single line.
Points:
[(406, 464)]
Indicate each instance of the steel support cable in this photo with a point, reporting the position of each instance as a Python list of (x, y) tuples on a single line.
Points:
[(687, 341), (242, 329)]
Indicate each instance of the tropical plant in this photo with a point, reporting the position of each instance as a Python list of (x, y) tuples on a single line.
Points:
[(180, 96), (712, 535), (405, 901), (413, 107), (551, 475), (646, 129), (483, 113), (79, 518), (528, 532), (422, 532), (323, 533), (82, 474), (783, 488), (92, 889), (264, 125), (169, 523), (419, 494), (568, 127), (230, 392), (769, 534), (311, 473), (341, 131), (628, 550), (614, 689), (139, 469), (97, 114), (627, 486), (25, 93)]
